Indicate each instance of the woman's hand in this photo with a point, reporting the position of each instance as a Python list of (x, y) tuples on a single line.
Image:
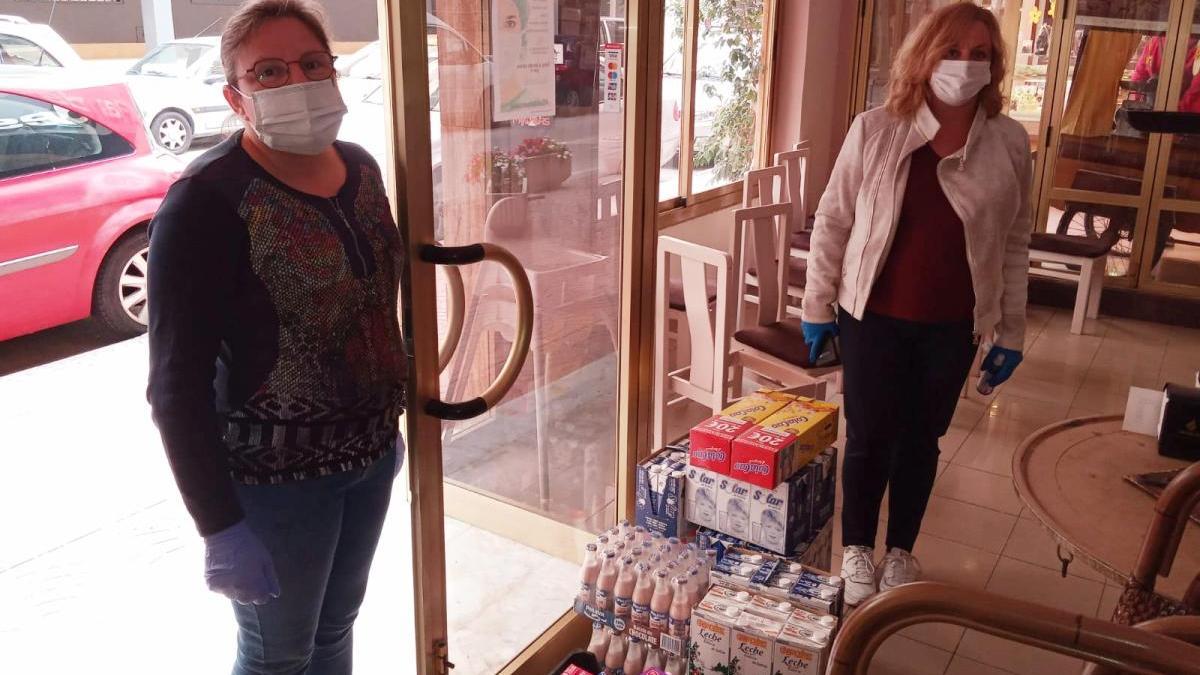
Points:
[(999, 364), (815, 335), (238, 566)]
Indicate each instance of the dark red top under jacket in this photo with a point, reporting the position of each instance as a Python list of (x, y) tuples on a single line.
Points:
[(926, 277)]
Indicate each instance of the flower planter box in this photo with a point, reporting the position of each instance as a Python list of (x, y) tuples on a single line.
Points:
[(546, 172)]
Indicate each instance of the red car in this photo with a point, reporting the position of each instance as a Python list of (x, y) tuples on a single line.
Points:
[(79, 182)]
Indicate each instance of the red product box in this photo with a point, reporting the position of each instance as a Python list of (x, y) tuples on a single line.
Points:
[(711, 441), (770, 452)]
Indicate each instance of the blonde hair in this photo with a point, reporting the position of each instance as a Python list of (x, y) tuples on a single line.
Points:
[(254, 13), (928, 44)]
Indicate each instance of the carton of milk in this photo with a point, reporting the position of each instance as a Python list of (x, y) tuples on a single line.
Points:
[(701, 497), (774, 449), (781, 519), (733, 507), (712, 627), (754, 639), (801, 649), (823, 470), (711, 441), (659, 496)]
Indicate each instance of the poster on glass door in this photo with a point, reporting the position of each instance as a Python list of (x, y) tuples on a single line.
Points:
[(522, 59)]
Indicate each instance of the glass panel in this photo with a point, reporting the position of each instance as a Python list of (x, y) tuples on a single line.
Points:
[(1176, 255), (1030, 50), (1183, 169), (1092, 221), (1116, 59), (728, 60), (672, 100), (530, 160)]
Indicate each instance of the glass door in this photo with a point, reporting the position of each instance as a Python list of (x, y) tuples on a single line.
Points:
[(1113, 60), (1170, 259), (510, 131)]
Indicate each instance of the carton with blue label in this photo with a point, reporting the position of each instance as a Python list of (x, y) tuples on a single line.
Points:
[(659, 494)]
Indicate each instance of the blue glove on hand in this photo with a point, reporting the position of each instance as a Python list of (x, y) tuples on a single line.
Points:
[(238, 566), (999, 364), (815, 335)]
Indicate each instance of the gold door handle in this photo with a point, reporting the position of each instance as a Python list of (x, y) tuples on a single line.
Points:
[(456, 310), (517, 353)]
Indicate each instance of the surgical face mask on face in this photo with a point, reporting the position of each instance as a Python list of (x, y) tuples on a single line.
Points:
[(299, 118), (957, 82)]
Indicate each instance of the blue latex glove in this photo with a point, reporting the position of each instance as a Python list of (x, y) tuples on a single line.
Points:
[(815, 335), (238, 566), (999, 364)]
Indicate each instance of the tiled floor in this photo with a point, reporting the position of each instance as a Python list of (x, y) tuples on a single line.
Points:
[(976, 532)]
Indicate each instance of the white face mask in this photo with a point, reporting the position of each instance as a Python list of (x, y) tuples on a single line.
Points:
[(299, 118), (957, 82)]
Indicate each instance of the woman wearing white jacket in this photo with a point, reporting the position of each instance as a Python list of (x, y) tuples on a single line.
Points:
[(920, 247)]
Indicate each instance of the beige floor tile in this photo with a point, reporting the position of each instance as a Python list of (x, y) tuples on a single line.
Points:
[(1104, 400), (1144, 332), (991, 450), (900, 655), (952, 563), (961, 665), (1025, 581), (1013, 657), (952, 441), (1027, 514), (1078, 411), (1040, 386), (1030, 543), (1108, 602), (1009, 406), (967, 524), (978, 487)]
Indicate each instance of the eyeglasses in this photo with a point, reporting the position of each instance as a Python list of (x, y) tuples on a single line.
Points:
[(272, 73)]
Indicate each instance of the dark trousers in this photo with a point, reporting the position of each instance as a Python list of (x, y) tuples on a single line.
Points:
[(902, 382)]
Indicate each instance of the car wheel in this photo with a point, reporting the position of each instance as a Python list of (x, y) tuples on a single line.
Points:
[(119, 297), (172, 131)]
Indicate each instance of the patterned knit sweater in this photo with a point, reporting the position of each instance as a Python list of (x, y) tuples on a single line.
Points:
[(275, 346)]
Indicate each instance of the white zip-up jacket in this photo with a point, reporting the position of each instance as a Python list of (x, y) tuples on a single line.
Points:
[(987, 183)]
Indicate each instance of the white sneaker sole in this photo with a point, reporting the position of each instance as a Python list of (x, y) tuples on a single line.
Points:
[(855, 599)]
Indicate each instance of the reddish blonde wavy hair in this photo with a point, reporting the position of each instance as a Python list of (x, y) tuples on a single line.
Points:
[(928, 44)]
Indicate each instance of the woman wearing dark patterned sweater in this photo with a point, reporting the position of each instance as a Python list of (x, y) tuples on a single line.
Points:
[(277, 364)]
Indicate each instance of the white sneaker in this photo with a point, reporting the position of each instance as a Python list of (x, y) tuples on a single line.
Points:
[(897, 568), (858, 570)]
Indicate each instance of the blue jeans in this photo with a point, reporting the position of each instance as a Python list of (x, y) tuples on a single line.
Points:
[(322, 535)]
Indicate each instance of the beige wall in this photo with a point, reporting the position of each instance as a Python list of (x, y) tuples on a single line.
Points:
[(813, 75)]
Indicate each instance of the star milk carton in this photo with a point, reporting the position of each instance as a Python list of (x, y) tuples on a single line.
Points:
[(781, 518), (701, 498), (774, 449), (733, 507), (711, 441), (824, 488)]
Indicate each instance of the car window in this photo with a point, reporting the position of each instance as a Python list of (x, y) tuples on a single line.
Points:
[(170, 60), (17, 51), (37, 136)]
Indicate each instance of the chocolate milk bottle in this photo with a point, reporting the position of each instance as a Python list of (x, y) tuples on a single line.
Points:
[(606, 581), (681, 610), (599, 643), (695, 592), (588, 574), (643, 591), (623, 590), (614, 660), (660, 604), (635, 660)]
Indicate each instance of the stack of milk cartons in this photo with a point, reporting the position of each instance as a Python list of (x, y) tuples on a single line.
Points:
[(763, 470), (752, 634)]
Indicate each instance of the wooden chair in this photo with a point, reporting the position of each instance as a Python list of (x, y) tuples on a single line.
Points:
[(763, 187), (772, 345), (703, 378), (796, 164)]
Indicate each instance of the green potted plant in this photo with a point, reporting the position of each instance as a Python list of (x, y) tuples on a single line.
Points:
[(547, 163)]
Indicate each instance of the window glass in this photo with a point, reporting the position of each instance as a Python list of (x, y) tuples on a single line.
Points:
[(37, 136), (672, 101), (728, 62), (170, 60), (17, 51)]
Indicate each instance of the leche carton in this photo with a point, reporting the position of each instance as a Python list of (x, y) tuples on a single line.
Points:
[(775, 448), (711, 441), (754, 639), (712, 633), (800, 650)]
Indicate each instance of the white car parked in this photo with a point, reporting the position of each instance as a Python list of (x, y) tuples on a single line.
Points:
[(25, 45), (178, 86)]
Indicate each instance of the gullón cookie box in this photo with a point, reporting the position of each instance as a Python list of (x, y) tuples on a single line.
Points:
[(711, 441), (774, 449)]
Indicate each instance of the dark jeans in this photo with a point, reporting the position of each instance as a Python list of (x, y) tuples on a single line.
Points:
[(322, 535), (902, 382)]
